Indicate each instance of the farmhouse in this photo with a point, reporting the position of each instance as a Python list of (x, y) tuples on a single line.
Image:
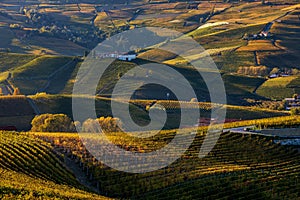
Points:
[(127, 57), (273, 76), (120, 56)]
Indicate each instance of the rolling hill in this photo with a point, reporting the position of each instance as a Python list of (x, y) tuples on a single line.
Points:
[(220, 29), (43, 45), (30, 169), (280, 88), (239, 166)]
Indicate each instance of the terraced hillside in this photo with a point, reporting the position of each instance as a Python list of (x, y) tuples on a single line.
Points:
[(29, 169), (56, 75), (43, 45), (286, 31), (240, 166), (221, 28)]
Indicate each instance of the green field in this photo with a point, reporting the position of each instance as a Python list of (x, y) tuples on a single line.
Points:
[(279, 88), (40, 67), (9, 61), (36, 75)]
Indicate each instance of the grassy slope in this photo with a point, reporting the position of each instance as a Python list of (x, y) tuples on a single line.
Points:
[(9, 61), (280, 88), (33, 76), (63, 81), (232, 112), (30, 170), (40, 67), (245, 19), (229, 61), (63, 104)]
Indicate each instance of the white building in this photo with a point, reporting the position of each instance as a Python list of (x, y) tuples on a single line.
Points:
[(127, 57), (120, 56)]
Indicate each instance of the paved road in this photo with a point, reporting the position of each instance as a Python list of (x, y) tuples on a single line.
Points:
[(34, 106), (241, 129), (282, 133)]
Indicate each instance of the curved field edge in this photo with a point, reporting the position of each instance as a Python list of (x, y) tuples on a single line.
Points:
[(279, 88)]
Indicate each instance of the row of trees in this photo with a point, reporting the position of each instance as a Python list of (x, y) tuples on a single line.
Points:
[(62, 123), (254, 70)]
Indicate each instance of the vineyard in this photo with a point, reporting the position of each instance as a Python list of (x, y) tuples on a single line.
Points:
[(45, 48), (239, 166), (232, 112), (30, 169)]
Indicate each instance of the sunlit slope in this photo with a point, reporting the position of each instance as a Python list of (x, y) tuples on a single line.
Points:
[(37, 75), (280, 88), (30, 169), (239, 166)]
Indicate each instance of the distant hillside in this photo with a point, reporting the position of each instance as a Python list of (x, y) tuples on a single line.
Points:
[(223, 29)]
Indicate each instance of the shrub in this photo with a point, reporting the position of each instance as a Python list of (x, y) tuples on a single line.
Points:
[(107, 124), (91, 125), (52, 123), (16, 92), (15, 26), (41, 94), (194, 100), (295, 111), (254, 70)]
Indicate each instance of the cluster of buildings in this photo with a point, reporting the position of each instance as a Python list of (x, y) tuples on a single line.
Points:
[(292, 102), (117, 55), (264, 34), (276, 75)]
